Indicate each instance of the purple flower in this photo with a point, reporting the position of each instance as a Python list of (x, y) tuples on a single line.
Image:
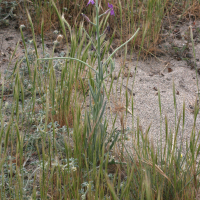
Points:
[(91, 1), (111, 9)]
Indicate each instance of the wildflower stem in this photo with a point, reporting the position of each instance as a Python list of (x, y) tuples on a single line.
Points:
[(101, 35), (103, 14), (121, 46), (98, 38), (91, 41), (92, 23), (56, 58), (87, 19)]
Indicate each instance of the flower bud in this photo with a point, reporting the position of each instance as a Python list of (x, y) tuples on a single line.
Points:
[(85, 17), (59, 38), (6, 104), (22, 26)]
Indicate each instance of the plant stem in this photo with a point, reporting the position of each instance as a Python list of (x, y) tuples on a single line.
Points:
[(98, 38)]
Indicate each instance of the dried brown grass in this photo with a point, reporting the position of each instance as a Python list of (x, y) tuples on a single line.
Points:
[(125, 28)]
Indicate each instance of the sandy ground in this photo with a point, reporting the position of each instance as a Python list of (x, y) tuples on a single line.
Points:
[(145, 98)]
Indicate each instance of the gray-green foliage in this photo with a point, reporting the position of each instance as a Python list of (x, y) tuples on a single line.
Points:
[(6, 11)]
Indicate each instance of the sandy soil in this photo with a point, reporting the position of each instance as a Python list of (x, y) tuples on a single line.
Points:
[(159, 73), (146, 104)]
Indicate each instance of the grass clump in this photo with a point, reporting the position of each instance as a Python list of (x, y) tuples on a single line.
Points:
[(56, 144)]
